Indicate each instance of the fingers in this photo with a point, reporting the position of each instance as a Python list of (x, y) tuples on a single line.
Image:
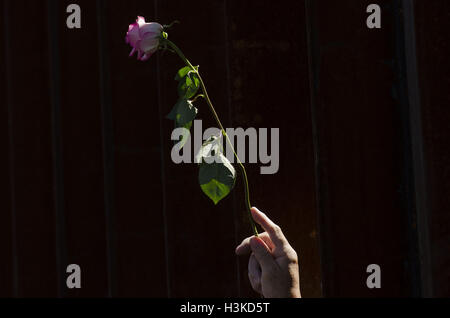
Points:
[(254, 274), (274, 231), (262, 254), (244, 247), (273, 237)]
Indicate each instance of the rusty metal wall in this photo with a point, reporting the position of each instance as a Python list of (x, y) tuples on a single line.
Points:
[(86, 174)]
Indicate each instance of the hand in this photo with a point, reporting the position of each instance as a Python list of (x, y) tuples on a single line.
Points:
[(273, 263)]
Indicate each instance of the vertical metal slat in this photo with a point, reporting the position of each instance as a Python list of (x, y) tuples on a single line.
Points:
[(9, 101), (108, 148), (230, 119), (418, 164), (325, 249), (57, 144), (163, 168)]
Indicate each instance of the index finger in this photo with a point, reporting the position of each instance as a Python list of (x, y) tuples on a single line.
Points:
[(274, 231)]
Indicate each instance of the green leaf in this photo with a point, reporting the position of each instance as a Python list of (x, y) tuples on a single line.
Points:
[(189, 83), (210, 148), (182, 72), (188, 86), (183, 112), (217, 179)]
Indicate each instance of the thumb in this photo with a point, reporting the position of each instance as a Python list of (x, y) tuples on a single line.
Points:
[(262, 253)]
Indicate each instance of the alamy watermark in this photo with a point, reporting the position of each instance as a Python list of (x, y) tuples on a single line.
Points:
[(258, 146)]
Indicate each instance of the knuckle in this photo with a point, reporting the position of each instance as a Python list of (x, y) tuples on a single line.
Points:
[(245, 242), (277, 230), (293, 259), (292, 255)]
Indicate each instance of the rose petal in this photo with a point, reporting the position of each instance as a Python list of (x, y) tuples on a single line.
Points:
[(140, 53), (131, 26), (140, 21), (148, 44), (146, 56), (133, 36), (132, 52), (154, 29)]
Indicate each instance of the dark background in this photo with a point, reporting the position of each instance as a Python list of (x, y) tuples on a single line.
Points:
[(85, 169)]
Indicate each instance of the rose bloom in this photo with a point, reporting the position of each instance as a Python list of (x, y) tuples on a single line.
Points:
[(144, 38)]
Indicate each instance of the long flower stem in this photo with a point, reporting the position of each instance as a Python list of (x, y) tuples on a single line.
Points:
[(216, 117)]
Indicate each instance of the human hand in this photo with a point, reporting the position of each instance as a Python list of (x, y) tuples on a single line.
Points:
[(273, 264)]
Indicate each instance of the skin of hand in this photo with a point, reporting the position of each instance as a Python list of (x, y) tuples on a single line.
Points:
[(273, 263)]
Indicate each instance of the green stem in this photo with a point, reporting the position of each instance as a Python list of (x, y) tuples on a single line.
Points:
[(216, 117)]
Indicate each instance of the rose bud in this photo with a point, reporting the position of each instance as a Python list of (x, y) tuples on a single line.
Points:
[(144, 38)]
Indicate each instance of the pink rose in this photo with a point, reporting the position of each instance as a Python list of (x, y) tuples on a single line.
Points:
[(144, 38)]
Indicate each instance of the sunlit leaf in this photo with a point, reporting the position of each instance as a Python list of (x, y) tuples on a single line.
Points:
[(210, 148), (188, 86), (217, 179), (182, 72)]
